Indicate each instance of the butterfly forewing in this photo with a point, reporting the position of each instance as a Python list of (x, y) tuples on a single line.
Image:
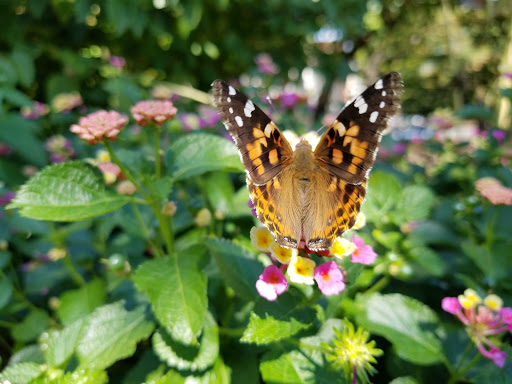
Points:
[(263, 148), (349, 146)]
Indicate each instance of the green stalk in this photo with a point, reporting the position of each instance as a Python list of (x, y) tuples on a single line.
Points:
[(156, 145)]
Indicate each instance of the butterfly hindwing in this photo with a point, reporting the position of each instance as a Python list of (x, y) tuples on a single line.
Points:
[(349, 146), (263, 148)]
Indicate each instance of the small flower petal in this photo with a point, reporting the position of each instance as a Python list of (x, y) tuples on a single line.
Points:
[(451, 305), (364, 253), (98, 126), (282, 254), (156, 111), (301, 270), (271, 283), (342, 247), (261, 238), (493, 302), (329, 278)]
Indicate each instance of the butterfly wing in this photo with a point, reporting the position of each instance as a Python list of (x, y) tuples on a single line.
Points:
[(345, 155), (349, 146), (265, 153), (262, 146)]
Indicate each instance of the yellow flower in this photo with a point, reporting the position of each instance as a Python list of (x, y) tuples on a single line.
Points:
[(57, 253), (493, 302), (283, 255), (342, 247), (103, 156), (470, 299), (301, 270), (261, 239)]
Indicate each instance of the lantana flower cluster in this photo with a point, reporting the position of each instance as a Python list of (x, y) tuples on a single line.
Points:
[(484, 319), (301, 268)]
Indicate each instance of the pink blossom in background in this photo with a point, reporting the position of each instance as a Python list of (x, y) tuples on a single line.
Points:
[(494, 191), (265, 64), (35, 111), (271, 283), (117, 61), (451, 305), (499, 135), (6, 198), (99, 126), (153, 111), (364, 253), (329, 278), (60, 148)]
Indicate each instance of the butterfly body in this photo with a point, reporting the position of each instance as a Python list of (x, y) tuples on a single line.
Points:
[(306, 194)]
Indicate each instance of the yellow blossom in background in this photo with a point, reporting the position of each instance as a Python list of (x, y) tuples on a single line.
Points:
[(56, 254), (342, 247), (66, 101), (169, 208), (102, 156), (283, 255), (493, 302), (469, 299), (301, 270), (261, 239), (203, 218)]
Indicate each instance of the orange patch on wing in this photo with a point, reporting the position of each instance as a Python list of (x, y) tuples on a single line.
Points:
[(273, 157), (337, 156), (353, 130)]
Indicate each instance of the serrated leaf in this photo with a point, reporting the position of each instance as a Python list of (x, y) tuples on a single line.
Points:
[(81, 376), (111, 334), (407, 323), (195, 154), (21, 373), (20, 135), (61, 345), (32, 326), (176, 289), (270, 323), (237, 265), (78, 303), (185, 357), (382, 196), (66, 192), (414, 204)]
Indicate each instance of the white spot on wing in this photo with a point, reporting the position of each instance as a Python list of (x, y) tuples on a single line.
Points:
[(232, 91), (249, 107), (361, 104), (239, 121), (379, 84), (382, 104), (228, 99), (268, 130), (384, 93), (373, 116), (230, 110)]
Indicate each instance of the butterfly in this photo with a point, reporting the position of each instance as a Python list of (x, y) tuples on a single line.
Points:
[(303, 193)]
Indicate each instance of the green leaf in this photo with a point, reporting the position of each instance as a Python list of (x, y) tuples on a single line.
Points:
[(24, 67), (414, 204), (21, 373), (404, 380), (429, 260), (474, 112), (20, 134), (5, 290), (61, 345), (176, 289), (78, 303), (220, 192), (382, 196), (31, 327), (494, 263), (195, 154), (66, 192), (186, 357), (408, 324), (81, 376), (111, 334), (238, 267)]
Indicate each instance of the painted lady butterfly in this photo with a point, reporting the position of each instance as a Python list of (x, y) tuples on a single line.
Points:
[(307, 194)]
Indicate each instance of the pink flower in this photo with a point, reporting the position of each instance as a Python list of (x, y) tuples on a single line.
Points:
[(364, 253), (494, 191), (329, 278), (289, 99), (60, 148), (190, 121), (271, 283), (117, 61), (153, 111), (482, 318), (111, 172), (451, 305), (99, 126), (6, 198), (499, 135), (265, 64), (35, 111)]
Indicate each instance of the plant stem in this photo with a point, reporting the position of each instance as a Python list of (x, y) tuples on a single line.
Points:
[(379, 285), (158, 251), (156, 144)]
